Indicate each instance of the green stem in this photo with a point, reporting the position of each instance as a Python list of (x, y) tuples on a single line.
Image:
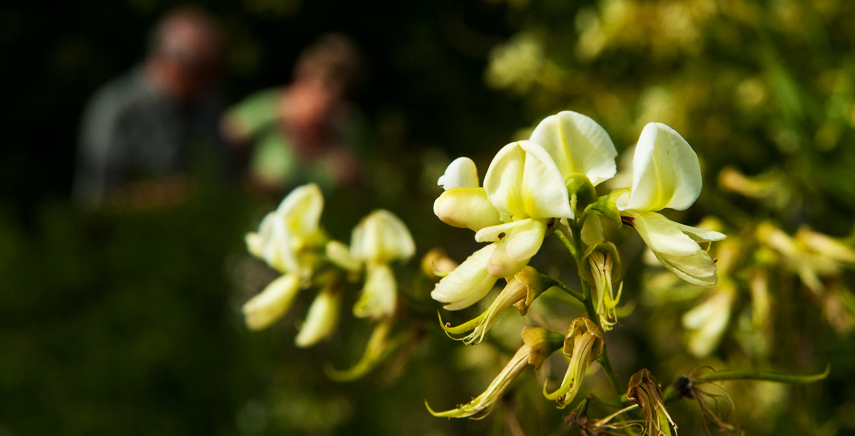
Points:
[(569, 245), (592, 313), (568, 290), (750, 374)]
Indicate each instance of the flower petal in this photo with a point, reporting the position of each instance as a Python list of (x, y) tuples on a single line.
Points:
[(674, 249), (661, 234), (578, 145), (523, 182), (522, 238), (666, 171), (321, 319), (466, 208), (467, 284), (301, 209), (461, 173), (701, 235), (501, 264), (379, 295), (516, 243), (271, 304), (381, 237)]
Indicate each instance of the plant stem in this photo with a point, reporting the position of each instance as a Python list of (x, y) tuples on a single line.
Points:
[(569, 245), (750, 374), (568, 290), (603, 360)]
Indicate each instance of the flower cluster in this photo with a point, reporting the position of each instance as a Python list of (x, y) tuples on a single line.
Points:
[(548, 185), (291, 240)]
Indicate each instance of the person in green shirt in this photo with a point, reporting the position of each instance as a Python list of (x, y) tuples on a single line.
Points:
[(306, 131)]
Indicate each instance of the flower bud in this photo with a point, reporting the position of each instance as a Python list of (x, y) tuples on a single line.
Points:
[(436, 264), (604, 270)]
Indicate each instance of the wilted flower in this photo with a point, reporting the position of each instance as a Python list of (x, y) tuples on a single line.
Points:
[(583, 344), (667, 174), (539, 343), (644, 390), (379, 239), (520, 291), (685, 387)]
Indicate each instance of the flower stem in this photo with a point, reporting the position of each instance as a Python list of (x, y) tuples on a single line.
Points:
[(569, 245), (750, 374), (568, 290)]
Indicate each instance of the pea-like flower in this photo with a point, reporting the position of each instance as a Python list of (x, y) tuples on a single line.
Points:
[(285, 234), (667, 174), (379, 239), (525, 189), (284, 241)]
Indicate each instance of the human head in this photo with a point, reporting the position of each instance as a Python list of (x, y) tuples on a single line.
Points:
[(186, 51), (333, 63)]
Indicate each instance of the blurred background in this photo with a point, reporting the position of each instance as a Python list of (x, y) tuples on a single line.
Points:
[(124, 272)]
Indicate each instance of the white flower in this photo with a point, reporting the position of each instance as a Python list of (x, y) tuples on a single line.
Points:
[(283, 241), (525, 188), (666, 174), (578, 145), (379, 239), (285, 233)]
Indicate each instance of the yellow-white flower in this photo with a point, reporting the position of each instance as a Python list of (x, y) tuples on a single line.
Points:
[(667, 174), (379, 239), (283, 241), (525, 188), (286, 233), (578, 145)]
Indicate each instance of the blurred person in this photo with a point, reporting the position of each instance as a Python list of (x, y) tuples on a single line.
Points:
[(306, 131), (143, 133)]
